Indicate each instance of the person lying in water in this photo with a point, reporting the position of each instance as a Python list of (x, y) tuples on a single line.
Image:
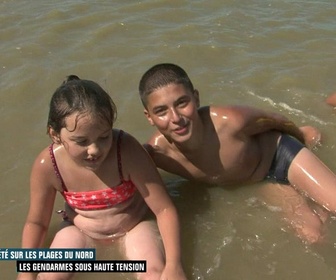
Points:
[(235, 145)]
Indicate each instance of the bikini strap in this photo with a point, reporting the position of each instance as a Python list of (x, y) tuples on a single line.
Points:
[(121, 133), (53, 160)]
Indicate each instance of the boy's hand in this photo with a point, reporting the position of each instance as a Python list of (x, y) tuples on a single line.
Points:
[(312, 136)]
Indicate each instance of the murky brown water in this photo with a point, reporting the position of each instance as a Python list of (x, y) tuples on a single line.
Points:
[(277, 55)]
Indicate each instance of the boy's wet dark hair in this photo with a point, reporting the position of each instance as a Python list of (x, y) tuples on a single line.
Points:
[(162, 75), (79, 96)]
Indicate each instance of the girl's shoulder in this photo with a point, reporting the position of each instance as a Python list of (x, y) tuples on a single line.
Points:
[(44, 159), (124, 138), (129, 147), (44, 167)]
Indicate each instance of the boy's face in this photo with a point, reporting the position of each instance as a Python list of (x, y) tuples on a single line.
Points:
[(173, 110)]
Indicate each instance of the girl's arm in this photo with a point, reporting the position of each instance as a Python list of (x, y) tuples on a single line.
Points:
[(145, 175), (42, 197)]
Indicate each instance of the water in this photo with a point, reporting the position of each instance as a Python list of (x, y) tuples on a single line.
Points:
[(275, 55)]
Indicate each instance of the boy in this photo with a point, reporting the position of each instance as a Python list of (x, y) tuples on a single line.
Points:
[(233, 145)]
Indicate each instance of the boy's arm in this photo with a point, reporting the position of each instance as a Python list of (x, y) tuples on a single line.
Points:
[(312, 136), (252, 121)]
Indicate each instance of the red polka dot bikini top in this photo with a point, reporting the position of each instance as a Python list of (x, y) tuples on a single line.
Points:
[(100, 199)]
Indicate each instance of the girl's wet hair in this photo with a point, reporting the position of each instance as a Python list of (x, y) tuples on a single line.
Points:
[(70, 78), (161, 75), (82, 97)]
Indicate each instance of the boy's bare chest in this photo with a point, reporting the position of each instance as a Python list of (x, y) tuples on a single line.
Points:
[(224, 164)]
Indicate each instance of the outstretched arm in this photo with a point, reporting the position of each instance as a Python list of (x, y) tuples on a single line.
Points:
[(252, 121)]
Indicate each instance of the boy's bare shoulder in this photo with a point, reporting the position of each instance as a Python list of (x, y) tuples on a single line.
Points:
[(157, 143), (159, 148), (227, 116), (230, 110), (222, 111)]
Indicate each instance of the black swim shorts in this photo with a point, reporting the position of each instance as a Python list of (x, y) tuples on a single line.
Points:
[(288, 148)]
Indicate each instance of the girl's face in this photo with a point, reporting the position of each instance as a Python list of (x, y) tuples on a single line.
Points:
[(87, 139)]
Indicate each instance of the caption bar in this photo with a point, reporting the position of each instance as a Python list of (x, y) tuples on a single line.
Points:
[(81, 266), (10, 254)]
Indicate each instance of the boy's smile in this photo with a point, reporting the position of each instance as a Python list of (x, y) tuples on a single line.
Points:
[(173, 109)]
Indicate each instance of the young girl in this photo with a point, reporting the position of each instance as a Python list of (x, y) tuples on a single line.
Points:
[(108, 181)]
